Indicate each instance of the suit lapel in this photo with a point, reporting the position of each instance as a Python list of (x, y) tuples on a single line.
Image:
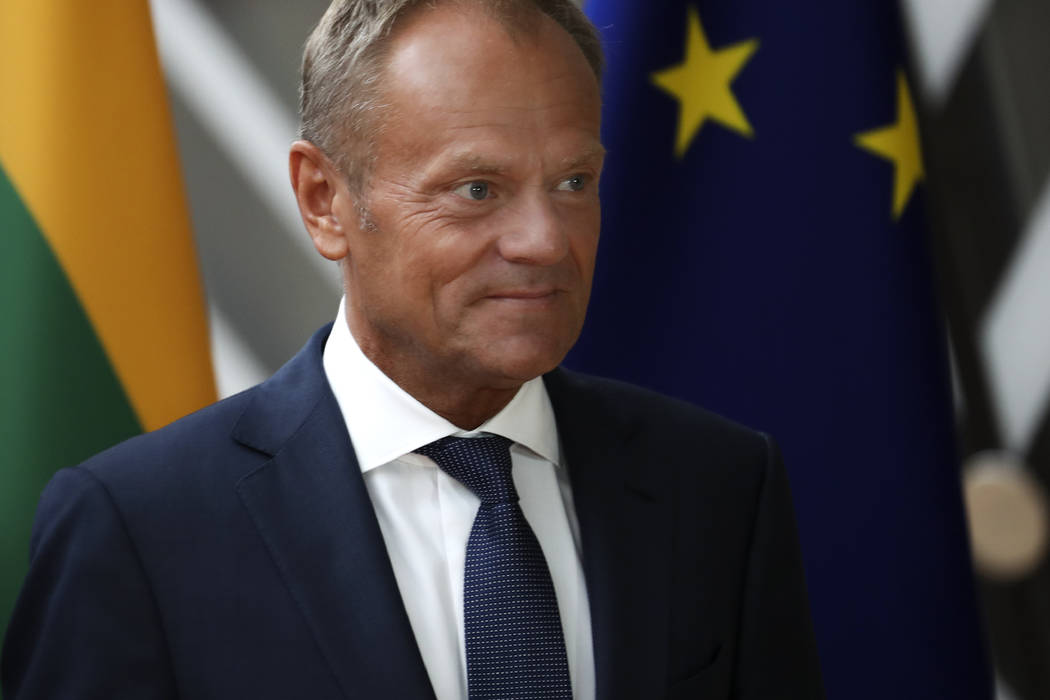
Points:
[(310, 505), (625, 531)]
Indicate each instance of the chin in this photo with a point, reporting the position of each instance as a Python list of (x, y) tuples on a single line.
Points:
[(518, 360)]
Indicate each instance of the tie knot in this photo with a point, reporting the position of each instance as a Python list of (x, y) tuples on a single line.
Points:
[(481, 464)]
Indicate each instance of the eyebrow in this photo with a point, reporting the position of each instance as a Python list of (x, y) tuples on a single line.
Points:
[(474, 162), (589, 156)]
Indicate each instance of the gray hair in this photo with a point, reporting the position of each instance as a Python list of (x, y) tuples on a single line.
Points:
[(344, 59)]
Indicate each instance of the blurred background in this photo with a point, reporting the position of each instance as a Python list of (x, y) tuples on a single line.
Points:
[(980, 70)]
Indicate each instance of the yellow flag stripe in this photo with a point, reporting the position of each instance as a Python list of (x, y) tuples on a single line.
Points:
[(86, 138)]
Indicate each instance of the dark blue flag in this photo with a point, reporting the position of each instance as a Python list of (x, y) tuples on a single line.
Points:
[(764, 254)]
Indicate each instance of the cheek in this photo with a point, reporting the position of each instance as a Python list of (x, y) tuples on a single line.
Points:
[(584, 227), (456, 253), (410, 254), (441, 274)]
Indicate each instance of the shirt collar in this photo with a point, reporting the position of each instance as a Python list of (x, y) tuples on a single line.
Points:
[(385, 422)]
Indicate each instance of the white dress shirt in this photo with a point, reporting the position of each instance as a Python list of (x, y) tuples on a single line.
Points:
[(425, 515)]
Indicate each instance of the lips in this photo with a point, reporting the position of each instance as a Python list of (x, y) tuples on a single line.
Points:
[(524, 294)]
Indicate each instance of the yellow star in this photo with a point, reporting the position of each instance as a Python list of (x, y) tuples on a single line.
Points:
[(701, 84), (899, 143)]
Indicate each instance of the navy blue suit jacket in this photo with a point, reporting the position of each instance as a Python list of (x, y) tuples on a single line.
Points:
[(236, 554)]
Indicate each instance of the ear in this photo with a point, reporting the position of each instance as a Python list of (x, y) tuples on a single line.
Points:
[(320, 190)]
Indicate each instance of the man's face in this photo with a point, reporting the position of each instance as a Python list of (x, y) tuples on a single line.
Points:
[(483, 203)]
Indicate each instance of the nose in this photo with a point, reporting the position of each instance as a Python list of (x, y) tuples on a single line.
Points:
[(536, 233)]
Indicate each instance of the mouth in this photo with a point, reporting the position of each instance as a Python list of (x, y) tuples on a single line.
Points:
[(524, 294), (527, 301)]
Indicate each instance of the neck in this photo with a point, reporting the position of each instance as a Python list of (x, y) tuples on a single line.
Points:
[(461, 400), (461, 404), (469, 412)]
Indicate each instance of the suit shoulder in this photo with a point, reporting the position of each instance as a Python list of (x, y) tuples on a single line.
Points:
[(199, 440), (657, 415), (639, 403)]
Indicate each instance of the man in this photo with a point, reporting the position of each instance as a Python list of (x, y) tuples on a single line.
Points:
[(332, 533)]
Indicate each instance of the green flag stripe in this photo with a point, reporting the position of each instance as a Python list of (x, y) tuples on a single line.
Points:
[(60, 400)]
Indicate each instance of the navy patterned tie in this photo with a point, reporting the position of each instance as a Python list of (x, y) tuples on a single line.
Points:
[(515, 647)]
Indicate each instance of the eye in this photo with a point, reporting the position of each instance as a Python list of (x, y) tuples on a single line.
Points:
[(573, 184), (476, 190)]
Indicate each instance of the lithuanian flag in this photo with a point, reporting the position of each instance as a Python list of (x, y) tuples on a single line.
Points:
[(102, 329)]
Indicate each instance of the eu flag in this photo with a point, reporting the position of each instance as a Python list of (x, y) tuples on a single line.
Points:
[(764, 254)]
